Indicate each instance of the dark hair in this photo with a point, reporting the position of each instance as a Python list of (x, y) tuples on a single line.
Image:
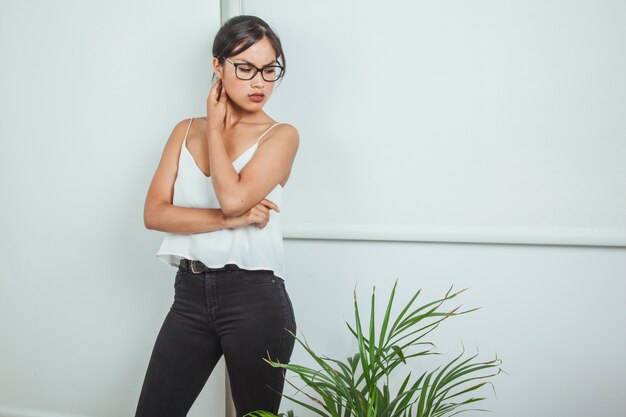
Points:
[(245, 28)]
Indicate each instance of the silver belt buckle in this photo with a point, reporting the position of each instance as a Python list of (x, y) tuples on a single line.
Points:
[(191, 264)]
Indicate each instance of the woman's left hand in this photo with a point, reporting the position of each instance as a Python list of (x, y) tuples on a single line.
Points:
[(216, 106)]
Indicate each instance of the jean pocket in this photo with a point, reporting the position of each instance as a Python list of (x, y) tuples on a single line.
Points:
[(257, 277)]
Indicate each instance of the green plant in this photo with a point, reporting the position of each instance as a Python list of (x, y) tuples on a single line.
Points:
[(352, 387)]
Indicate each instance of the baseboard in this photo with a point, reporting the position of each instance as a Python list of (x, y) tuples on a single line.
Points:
[(6, 411)]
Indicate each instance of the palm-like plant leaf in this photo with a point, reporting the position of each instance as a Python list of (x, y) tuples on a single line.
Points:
[(359, 386)]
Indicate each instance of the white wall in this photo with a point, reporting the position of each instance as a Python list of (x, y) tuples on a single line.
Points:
[(553, 314), (460, 120), (90, 93)]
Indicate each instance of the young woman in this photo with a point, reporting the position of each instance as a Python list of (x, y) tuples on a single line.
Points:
[(217, 193)]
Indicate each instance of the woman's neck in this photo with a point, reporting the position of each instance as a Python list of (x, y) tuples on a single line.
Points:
[(236, 115)]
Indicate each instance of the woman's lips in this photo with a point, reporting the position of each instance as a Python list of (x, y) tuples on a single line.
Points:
[(257, 98)]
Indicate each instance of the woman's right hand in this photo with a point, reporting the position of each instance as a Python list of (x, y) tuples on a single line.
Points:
[(259, 215)]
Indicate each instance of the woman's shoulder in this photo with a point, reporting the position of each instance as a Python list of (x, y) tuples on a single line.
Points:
[(287, 127), (183, 125), (192, 123), (287, 132), (184, 129), (189, 127)]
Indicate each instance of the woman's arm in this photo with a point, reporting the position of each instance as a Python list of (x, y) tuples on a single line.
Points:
[(271, 163), (160, 214), (174, 219)]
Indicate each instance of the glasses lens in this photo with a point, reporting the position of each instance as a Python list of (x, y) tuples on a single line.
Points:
[(245, 72), (272, 73)]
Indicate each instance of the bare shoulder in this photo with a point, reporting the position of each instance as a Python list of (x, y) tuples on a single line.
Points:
[(171, 151), (288, 127), (178, 133), (285, 132)]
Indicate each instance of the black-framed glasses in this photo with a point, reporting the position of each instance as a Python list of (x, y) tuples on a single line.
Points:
[(244, 71)]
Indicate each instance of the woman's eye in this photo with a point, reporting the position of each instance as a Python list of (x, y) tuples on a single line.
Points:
[(270, 70), (245, 68)]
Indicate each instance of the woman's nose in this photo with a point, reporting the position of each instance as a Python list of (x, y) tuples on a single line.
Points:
[(258, 79)]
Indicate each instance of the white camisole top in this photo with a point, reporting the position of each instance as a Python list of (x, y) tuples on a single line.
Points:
[(248, 247)]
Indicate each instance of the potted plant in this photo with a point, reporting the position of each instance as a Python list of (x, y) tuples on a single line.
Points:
[(359, 386)]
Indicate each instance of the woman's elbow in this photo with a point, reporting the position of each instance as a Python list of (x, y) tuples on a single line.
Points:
[(148, 220), (231, 211), (151, 216), (234, 207)]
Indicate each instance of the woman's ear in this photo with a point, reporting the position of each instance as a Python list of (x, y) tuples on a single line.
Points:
[(217, 68)]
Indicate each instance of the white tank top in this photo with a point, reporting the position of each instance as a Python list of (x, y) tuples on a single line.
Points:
[(248, 247)]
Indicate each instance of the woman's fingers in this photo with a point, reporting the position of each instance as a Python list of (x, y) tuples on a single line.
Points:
[(221, 95), (270, 204), (260, 215), (265, 206), (216, 105), (214, 92), (218, 93)]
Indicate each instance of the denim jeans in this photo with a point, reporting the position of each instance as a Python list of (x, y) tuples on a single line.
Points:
[(242, 314)]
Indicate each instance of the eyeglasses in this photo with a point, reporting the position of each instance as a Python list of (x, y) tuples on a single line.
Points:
[(243, 71)]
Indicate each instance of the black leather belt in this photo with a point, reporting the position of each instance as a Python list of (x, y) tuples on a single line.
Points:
[(197, 267)]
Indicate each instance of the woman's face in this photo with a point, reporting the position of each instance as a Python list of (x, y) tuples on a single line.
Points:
[(239, 91)]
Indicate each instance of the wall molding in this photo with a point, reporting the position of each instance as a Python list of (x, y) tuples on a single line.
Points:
[(230, 8), (572, 236)]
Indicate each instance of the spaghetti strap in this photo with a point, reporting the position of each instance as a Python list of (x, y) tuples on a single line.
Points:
[(190, 121), (275, 124)]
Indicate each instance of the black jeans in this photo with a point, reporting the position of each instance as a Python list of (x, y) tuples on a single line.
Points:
[(239, 313)]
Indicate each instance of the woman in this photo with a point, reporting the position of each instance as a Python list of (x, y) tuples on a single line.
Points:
[(217, 193)]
